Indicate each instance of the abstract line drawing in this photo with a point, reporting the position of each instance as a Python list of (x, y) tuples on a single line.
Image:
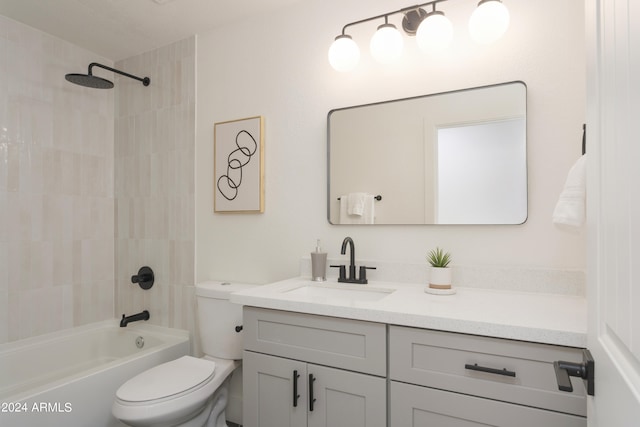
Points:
[(229, 183), (238, 166)]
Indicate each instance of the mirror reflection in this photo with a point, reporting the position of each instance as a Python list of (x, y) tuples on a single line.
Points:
[(450, 158)]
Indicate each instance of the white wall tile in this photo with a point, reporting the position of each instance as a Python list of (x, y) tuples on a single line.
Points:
[(154, 184), (56, 190)]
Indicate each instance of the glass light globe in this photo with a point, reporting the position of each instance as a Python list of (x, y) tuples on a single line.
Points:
[(344, 53), (434, 33), (489, 21), (386, 44)]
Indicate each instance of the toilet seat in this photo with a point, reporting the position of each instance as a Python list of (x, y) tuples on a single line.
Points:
[(167, 381), (174, 404)]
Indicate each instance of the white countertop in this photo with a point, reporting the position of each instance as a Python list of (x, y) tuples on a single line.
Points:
[(526, 316)]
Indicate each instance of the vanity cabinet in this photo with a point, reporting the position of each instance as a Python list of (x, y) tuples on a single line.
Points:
[(306, 370), (310, 370), (447, 379)]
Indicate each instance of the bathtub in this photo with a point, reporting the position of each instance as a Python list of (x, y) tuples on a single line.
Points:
[(69, 378)]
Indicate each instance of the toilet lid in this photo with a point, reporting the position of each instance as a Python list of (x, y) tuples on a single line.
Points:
[(167, 379)]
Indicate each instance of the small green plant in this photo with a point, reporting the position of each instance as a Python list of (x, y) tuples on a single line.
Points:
[(439, 258)]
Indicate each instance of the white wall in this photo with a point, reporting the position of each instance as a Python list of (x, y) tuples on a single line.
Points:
[(276, 65)]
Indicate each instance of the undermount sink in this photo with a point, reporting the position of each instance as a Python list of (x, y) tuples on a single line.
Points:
[(340, 292)]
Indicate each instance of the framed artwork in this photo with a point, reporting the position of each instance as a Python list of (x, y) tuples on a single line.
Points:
[(238, 160)]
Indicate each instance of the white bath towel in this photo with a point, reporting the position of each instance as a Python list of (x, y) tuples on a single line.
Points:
[(570, 211), (367, 215)]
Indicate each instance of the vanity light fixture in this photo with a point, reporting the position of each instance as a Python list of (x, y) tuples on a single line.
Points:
[(386, 44), (344, 53), (433, 32), (489, 21)]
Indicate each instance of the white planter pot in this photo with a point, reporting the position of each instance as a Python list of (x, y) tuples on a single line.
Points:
[(440, 278)]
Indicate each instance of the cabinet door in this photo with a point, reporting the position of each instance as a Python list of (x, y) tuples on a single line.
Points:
[(425, 407), (268, 391), (345, 399)]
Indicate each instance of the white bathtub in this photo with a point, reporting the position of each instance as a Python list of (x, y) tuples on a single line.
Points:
[(69, 378)]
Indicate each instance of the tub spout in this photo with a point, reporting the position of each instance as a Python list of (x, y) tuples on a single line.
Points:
[(134, 318)]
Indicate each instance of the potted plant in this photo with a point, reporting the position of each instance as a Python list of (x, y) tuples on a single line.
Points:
[(440, 275)]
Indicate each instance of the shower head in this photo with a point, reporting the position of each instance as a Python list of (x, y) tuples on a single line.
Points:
[(89, 80)]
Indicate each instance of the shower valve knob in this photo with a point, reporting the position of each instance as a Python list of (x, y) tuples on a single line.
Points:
[(145, 278)]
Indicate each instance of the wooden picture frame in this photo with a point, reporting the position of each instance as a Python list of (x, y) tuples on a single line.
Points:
[(238, 159)]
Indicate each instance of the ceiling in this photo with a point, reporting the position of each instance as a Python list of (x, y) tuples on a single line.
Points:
[(118, 29)]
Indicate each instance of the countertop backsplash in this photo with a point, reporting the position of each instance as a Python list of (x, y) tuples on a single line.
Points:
[(510, 278)]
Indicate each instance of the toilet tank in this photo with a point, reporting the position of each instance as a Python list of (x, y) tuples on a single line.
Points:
[(218, 319)]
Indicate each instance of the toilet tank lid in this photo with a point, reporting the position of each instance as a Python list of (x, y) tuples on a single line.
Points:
[(220, 290)]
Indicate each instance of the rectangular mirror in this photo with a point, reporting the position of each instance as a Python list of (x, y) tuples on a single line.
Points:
[(450, 158)]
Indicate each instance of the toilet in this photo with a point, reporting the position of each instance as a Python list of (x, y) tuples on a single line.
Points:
[(190, 391)]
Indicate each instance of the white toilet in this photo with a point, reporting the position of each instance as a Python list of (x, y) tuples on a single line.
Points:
[(188, 391)]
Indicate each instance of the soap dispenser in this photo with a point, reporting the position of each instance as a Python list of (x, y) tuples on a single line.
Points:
[(318, 264)]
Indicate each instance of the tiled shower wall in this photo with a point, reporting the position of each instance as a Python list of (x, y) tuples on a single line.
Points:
[(78, 215), (154, 184), (56, 187)]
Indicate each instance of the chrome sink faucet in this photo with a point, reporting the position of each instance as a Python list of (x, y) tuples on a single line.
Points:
[(352, 265)]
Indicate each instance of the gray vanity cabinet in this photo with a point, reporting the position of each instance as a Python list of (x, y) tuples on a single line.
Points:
[(318, 371), (455, 380), (306, 370)]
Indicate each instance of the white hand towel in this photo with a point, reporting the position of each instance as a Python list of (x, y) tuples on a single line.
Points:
[(355, 203), (570, 209), (368, 212)]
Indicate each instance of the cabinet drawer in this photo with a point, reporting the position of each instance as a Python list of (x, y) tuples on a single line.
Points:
[(449, 361), (342, 343), (413, 406)]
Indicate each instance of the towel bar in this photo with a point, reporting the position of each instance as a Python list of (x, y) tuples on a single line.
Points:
[(378, 197)]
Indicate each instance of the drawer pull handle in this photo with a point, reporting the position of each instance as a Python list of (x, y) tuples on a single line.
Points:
[(296, 375), (504, 371), (311, 398)]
